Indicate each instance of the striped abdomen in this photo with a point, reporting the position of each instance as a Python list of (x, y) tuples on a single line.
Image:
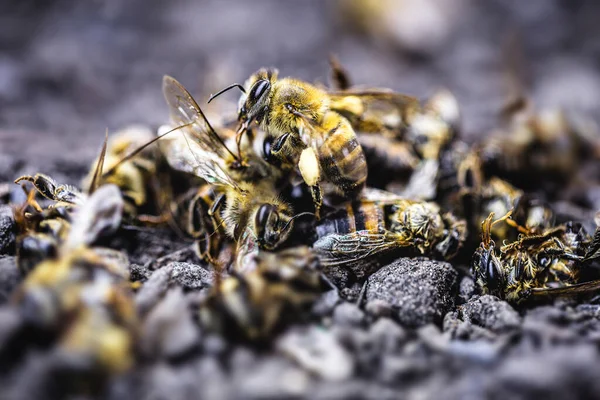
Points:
[(356, 216), (342, 159)]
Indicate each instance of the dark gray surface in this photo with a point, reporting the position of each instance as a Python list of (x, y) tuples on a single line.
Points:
[(69, 69)]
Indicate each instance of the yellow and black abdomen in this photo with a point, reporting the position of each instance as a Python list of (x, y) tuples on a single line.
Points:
[(356, 216), (342, 159)]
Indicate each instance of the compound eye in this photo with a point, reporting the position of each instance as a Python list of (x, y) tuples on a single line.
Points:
[(493, 272), (261, 220), (258, 90), (267, 146)]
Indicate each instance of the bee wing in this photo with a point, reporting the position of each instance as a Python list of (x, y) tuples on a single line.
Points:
[(185, 155), (593, 251), (354, 250), (584, 287), (370, 111), (187, 113), (99, 215)]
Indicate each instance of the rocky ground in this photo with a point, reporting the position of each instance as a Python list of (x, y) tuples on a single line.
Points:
[(419, 331)]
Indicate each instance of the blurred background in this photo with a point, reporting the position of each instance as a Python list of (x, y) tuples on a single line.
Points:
[(71, 69)]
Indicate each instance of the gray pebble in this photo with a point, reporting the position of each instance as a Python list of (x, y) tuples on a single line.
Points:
[(10, 277), (348, 314), (8, 230), (169, 330), (419, 291), (190, 276)]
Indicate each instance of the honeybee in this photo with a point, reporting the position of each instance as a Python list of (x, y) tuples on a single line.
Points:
[(254, 304), (41, 231), (543, 148), (548, 263), (246, 199), (305, 129), (382, 225), (61, 194), (82, 296), (398, 135), (138, 177), (477, 197)]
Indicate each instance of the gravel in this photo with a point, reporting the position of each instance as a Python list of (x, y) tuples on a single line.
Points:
[(8, 231), (418, 291)]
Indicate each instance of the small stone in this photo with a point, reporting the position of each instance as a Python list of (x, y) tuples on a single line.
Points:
[(318, 351), (169, 330), (326, 303), (418, 291), (8, 231), (153, 290), (272, 378), (138, 273), (466, 289), (10, 277), (190, 276), (491, 313), (387, 335), (348, 314), (378, 308)]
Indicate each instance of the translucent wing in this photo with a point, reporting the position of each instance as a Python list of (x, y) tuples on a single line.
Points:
[(358, 251), (374, 110), (186, 155), (185, 112), (584, 287), (100, 215)]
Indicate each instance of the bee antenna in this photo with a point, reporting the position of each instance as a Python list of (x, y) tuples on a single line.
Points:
[(220, 92), (142, 147), (304, 214)]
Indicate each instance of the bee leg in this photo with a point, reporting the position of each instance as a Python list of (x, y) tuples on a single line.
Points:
[(310, 170), (43, 184), (240, 163), (317, 196), (213, 240), (362, 294)]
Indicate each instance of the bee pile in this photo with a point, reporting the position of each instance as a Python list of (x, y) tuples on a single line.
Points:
[(297, 205)]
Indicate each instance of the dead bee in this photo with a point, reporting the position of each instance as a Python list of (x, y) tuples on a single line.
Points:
[(246, 197), (476, 197), (138, 177), (548, 263), (63, 195), (254, 304), (540, 148), (305, 129), (41, 231), (82, 296), (382, 225), (398, 135)]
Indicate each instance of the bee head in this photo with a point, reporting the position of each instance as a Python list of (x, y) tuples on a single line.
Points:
[(272, 226), (486, 268), (252, 104)]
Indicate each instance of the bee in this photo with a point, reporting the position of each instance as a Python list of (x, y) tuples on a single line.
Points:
[(306, 130), (42, 230), (549, 144), (548, 263), (473, 197), (246, 196), (398, 135), (82, 296), (256, 303), (139, 177), (382, 225)]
